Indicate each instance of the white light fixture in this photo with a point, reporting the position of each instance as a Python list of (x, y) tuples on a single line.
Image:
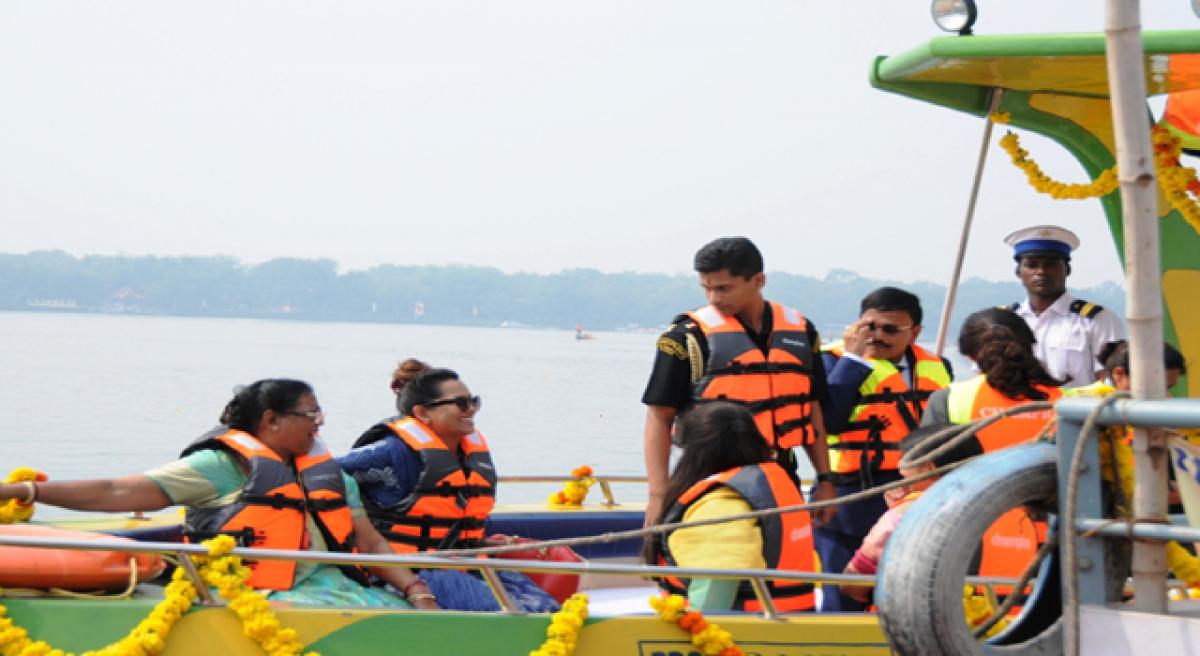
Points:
[(959, 15)]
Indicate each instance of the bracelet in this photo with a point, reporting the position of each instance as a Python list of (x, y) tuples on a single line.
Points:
[(30, 493), (412, 585), (422, 595)]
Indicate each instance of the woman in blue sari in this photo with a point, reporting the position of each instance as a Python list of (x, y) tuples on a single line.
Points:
[(428, 483)]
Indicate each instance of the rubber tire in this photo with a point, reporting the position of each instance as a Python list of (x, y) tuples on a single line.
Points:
[(919, 585)]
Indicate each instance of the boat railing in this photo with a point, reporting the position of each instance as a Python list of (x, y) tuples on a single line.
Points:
[(487, 567), (1091, 526), (605, 483)]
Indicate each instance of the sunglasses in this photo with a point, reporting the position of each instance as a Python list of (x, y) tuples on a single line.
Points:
[(887, 328), (315, 415), (464, 403)]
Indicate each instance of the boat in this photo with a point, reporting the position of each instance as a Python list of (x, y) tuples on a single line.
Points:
[(1052, 84)]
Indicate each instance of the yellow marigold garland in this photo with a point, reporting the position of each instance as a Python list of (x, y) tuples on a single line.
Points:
[(563, 633), (1178, 182), (707, 637), (1104, 184), (149, 637), (978, 609), (13, 510), (574, 492)]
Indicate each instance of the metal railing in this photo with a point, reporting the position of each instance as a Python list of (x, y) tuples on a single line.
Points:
[(487, 567), (604, 482), (1091, 527)]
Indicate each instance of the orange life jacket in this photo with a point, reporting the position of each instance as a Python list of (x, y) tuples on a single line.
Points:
[(887, 411), (775, 387), (786, 538), (451, 500), (270, 513), (1011, 543), (976, 399)]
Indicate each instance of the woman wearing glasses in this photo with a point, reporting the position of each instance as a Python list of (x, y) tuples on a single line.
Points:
[(264, 476), (428, 483)]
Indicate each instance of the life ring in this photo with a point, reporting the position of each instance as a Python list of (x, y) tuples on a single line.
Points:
[(69, 569), (919, 586)]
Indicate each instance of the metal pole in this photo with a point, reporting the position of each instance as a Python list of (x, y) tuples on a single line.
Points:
[(952, 289), (1143, 294)]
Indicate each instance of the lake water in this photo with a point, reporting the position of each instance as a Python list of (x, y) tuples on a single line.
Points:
[(91, 395)]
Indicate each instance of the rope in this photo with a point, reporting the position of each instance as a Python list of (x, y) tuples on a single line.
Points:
[(1070, 576), (916, 457), (1018, 591), (967, 430)]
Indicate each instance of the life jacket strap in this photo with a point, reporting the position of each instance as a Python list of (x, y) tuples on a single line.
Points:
[(753, 368), (456, 490), (245, 537), (274, 501)]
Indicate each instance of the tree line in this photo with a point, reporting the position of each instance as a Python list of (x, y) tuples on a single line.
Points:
[(314, 290)]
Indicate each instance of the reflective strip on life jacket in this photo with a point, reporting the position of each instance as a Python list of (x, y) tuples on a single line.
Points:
[(451, 500), (775, 387), (786, 538), (888, 410)]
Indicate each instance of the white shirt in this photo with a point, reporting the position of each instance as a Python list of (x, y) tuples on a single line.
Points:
[(1067, 343)]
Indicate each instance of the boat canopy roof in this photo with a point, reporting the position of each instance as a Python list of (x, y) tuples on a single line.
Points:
[(1056, 63)]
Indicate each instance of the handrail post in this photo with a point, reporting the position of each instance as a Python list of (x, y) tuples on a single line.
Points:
[(506, 602), (185, 561), (764, 597), (609, 500)]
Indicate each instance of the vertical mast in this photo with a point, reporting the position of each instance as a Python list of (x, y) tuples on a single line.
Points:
[(1143, 291)]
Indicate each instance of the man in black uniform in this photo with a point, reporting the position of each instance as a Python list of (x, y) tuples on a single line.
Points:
[(741, 348)]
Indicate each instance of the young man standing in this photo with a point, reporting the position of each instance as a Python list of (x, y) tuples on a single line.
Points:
[(1070, 332), (879, 382), (740, 347)]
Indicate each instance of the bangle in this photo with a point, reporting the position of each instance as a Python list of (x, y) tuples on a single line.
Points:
[(412, 585), (422, 595), (30, 493)]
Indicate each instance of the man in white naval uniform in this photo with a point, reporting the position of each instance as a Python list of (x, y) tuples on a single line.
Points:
[(1070, 331)]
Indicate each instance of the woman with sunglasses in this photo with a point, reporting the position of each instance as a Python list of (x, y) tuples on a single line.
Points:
[(264, 476), (428, 483)]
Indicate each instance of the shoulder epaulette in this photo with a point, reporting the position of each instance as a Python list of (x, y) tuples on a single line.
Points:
[(1085, 309), (1010, 308)]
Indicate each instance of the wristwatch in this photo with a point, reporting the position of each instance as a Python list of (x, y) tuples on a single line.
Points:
[(825, 477)]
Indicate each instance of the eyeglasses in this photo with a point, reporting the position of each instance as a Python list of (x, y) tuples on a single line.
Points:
[(464, 403), (316, 415), (886, 328)]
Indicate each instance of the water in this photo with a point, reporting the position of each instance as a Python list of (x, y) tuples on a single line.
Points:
[(90, 396)]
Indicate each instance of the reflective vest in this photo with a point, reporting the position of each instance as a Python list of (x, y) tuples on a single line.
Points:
[(270, 513), (451, 500), (775, 387), (1011, 543), (887, 411), (975, 399), (786, 538)]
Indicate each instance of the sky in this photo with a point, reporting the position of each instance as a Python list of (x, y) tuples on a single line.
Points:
[(527, 135)]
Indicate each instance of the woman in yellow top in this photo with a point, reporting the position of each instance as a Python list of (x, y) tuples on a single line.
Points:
[(726, 468)]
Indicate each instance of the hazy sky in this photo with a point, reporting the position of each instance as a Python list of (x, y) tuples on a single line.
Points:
[(528, 135)]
